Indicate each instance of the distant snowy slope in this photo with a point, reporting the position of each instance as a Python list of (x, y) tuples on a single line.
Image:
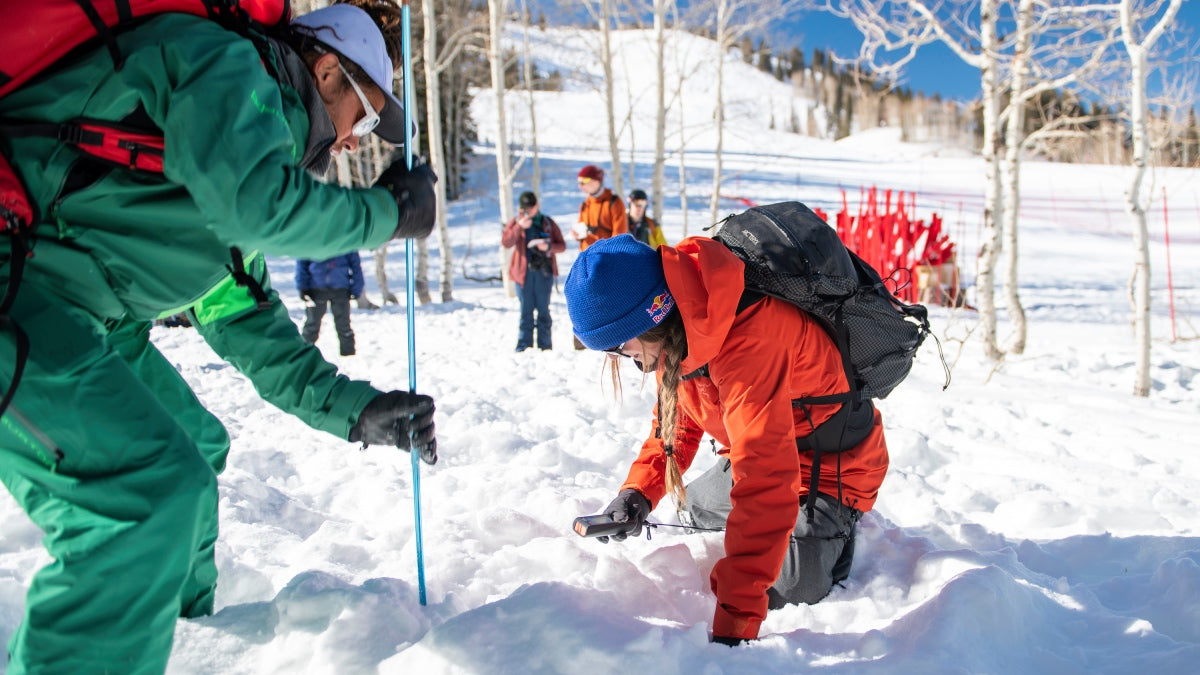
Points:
[(575, 117)]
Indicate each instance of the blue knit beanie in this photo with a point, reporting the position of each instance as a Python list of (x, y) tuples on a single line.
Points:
[(616, 291)]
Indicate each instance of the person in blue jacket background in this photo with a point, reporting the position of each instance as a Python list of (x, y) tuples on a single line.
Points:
[(332, 282)]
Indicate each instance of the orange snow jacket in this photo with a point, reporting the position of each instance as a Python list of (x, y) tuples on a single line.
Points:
[(758, 361), (604, 215)]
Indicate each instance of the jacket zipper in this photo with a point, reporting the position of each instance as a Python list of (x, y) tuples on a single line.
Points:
[(40, 436)]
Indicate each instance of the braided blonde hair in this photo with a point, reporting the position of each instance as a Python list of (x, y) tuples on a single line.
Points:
[(671, 335)]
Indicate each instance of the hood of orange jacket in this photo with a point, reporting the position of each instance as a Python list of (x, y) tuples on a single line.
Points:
[(707, 282)]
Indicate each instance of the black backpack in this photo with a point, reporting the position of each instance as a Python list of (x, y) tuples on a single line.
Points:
[(792, 254)]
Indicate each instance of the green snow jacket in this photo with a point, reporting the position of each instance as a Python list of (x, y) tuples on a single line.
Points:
[(124, 245)]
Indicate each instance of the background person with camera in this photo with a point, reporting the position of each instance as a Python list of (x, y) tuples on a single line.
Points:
[(535, 239)]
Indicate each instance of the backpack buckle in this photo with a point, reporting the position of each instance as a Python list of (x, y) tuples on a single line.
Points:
[(70, 133), (9, 219)]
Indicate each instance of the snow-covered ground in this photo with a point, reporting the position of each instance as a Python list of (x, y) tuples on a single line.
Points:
[(1037, 518)]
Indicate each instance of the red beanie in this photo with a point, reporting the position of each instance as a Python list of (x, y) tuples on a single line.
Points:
[(592, 171)]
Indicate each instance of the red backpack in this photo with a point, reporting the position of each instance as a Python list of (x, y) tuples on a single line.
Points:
[(35, 35), (38, 34)]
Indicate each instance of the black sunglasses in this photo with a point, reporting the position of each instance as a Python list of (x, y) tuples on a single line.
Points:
[(616, 351)]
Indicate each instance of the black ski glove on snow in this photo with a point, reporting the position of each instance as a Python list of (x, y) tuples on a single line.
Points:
[(413, 192), (401, 419), (629, 507)]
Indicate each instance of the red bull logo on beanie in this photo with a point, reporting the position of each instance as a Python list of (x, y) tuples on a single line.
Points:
[(661, 306)]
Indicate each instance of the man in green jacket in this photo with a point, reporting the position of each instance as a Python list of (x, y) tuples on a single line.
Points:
[(104, 445)]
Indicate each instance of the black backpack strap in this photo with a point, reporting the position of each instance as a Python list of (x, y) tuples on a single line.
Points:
[(749, 297), (103, 31), (848, 427), (842, 338), (20, 251), (921, 314), (845, 429), (814, 479), (22, 355), (138, 148), (238, 271)]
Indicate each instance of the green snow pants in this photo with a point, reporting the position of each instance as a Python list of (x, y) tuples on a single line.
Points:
[(113, 457)]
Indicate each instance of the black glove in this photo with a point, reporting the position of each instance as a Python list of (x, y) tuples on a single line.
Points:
[(413, 192), (306, 294), (401, 419), (629, 507)]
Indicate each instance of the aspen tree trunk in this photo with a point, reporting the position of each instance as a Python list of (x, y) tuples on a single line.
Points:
[(714, 204), (660, 118), (347, 176), (437, 154), (1012, 174), (609, 102), (1134, 202), (528, 74), (1141, 248), (682, 151), (627, 125), (421, 288), (989, 252), (496, 12)]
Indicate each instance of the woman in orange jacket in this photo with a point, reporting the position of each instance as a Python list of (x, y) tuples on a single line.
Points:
[(732, 372)]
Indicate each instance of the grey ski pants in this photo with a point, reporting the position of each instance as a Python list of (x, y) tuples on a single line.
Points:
[(820, 554), (338, 300)]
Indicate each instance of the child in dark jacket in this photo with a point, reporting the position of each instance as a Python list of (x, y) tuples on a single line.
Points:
[(331, 282)]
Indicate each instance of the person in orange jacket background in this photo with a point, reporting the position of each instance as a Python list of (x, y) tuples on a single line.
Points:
[(734, 375), (601, 214)]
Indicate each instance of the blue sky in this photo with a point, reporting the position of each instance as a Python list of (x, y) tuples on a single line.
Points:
[(935, 69)]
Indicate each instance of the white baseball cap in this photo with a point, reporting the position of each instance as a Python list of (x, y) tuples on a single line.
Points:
[(353, 33)]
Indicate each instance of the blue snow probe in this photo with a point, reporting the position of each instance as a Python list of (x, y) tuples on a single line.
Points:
[(411, 292)]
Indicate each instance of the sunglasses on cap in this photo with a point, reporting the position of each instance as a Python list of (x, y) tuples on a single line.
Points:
[(585, 181), (371, 119)]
